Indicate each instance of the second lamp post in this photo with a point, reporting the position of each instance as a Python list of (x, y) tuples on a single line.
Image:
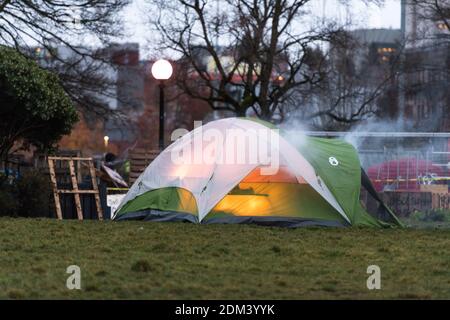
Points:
[(161, 71)]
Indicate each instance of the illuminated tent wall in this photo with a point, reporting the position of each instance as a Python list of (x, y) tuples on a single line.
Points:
[(318, 182)]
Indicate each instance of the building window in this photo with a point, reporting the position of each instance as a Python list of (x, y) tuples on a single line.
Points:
[(442, 26), (386, 50)]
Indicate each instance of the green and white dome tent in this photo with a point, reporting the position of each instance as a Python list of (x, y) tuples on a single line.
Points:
[(212, 175)]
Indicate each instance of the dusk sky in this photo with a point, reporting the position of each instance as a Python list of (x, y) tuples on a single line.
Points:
[(363, 16)]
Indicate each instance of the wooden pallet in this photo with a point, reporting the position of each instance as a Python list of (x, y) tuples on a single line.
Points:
[(61, 167), (140, 158), (75, 191), (440, 201)]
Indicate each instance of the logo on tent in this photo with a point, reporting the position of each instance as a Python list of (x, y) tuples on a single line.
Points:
[(333, 161)]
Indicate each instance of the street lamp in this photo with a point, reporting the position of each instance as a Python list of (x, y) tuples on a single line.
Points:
[(106, 140), (162, 71)]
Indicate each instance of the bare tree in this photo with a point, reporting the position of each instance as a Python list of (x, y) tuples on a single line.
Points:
[(25, 24), (358, 76), (437, 11), (247, 55)]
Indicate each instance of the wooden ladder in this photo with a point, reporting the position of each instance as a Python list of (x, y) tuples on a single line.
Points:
[(75, 191)]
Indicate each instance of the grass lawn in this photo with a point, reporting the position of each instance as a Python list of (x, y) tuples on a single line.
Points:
[(144, 260)]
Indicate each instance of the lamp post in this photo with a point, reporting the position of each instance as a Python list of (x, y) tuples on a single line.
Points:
[(161, 71)]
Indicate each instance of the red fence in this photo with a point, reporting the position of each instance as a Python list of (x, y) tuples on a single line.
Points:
[(406, 174)]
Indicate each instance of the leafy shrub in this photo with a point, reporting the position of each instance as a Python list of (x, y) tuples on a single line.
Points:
[(27, 196), (35, 108), (8, 201), (33, 194)]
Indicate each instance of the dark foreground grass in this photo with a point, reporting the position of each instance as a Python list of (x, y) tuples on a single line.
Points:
[(142, 260)]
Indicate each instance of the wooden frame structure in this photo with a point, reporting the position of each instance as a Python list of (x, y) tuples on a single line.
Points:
[(75, 191), (140, 158)]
